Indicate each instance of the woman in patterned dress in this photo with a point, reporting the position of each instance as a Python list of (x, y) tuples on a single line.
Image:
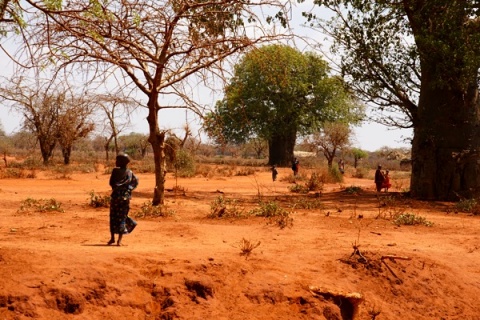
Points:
[(122, 181)]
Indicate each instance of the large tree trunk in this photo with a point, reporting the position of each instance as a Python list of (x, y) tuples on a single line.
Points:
[(446, 143), (157, 140), (46, 149), (280, 148), (66, 152)]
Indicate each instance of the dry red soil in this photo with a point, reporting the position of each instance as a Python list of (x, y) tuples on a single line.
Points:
[(56, 265)]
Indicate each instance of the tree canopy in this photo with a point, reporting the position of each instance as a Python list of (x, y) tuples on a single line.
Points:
[(277, 93)]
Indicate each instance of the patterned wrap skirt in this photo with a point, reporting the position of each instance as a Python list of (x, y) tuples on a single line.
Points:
[(119, 209)]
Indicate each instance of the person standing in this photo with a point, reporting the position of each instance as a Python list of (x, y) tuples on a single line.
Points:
[(274, 173), (122, 181), (379, 178), (295, 166)]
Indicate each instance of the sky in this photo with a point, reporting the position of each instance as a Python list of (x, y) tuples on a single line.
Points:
[(369, 136)]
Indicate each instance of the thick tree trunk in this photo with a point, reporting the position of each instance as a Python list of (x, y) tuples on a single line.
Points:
[(446, 144), (66, 152), (46, 149), (280, 148)]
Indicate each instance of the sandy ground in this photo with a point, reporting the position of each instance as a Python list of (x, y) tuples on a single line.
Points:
[(56, 265)]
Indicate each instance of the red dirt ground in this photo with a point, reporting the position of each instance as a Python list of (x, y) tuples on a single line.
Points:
[(56, 265)]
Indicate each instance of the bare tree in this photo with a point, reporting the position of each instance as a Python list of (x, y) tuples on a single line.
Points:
[(157, 45), (332, 137), (73, 122), (116, 110), (39, 107), (55, 114)]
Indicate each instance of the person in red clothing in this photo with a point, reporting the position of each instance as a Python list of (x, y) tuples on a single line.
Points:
[(386, 181)]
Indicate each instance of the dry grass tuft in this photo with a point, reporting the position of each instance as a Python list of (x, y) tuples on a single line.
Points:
[(246, 247)]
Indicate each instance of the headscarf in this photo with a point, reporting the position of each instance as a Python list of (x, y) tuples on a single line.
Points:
[(122, 160)]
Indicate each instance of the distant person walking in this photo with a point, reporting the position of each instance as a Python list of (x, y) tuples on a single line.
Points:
[(274, 173), (122, 181), (295, 166), (379, 178)]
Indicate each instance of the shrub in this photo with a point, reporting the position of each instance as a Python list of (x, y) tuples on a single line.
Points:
[(98, 201), (149, 210), (41, 205), (276, 214), (184, 164), (315, 183), (467, 205), (223, 207), (335, 174), (305, 203), (290, 178), (353, 189), (299, 188), (410, 219)]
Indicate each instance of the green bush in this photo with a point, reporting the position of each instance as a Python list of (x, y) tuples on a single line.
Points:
[(149, 210), (184, 164), (467, 205), (223, 207), (98, 201), (276, 214), (41, 205), (335, 174)]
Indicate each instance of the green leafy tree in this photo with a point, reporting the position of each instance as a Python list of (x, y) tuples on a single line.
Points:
[(278, 93), (358, 154), (417, 62)]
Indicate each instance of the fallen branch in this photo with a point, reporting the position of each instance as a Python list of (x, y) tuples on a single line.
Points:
[(392, 257), (389, 269)]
